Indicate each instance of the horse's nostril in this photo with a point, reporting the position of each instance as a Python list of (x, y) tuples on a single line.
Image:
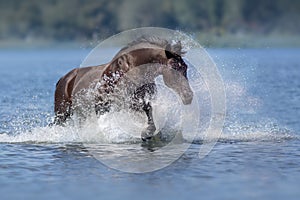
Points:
[(187, 97), (188, 101)]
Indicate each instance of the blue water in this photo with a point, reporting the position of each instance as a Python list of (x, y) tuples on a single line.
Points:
[(258, 155)]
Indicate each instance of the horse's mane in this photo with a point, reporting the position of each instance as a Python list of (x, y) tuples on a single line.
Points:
[(172, 46)]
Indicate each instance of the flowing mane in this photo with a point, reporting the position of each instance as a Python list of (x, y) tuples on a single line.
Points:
[(153, 42)]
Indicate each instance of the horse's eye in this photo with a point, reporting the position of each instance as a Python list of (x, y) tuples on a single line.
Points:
[(120, 62)]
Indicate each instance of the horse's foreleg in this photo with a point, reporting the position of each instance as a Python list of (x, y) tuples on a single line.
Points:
[(149, 131)]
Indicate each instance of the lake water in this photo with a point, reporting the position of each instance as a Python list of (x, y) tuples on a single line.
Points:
[(257, 156)]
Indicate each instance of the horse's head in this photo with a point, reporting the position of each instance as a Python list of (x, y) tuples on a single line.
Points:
[(175, 74), (145, 51)]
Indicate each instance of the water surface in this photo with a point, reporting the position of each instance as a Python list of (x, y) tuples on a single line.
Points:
[(258, 155)]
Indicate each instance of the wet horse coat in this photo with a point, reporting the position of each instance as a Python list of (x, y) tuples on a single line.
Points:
[(144, 59)]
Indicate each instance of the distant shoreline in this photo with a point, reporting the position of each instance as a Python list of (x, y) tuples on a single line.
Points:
[(249, 41), (205, 39)]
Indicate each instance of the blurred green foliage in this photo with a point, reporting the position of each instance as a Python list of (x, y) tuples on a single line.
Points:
[(86, 19)]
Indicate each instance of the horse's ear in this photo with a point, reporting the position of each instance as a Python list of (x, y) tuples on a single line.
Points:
[(168, 52)]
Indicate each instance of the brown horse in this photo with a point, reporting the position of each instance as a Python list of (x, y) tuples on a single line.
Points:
[(98, 88)]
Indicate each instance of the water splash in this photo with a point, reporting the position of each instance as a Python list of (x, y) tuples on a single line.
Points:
[(97, 132), (125, 127)]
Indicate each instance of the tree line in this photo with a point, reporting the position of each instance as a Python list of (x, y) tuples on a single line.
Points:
[(86, 19)]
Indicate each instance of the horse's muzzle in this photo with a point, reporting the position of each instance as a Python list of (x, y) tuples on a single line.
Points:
[(187, 97)]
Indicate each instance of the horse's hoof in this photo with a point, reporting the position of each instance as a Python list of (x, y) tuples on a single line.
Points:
[(146, 137), (148, 133)]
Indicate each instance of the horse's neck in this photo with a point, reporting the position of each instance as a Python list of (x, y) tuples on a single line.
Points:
[(148, 71)]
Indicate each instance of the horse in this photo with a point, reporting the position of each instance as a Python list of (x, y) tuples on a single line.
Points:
[(96, 88)]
